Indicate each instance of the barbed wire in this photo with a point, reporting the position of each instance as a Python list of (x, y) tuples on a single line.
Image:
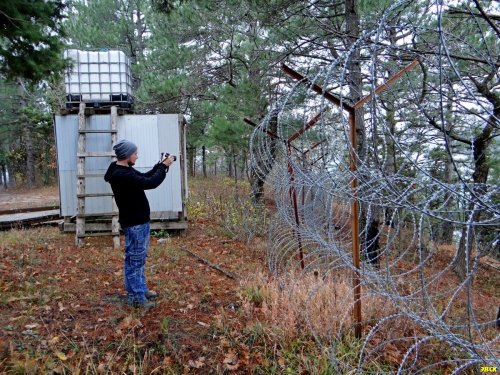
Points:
[(416, 183)]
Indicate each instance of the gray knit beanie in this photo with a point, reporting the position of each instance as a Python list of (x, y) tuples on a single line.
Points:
[(124, 149)]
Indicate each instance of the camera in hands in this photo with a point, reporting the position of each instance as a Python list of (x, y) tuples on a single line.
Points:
[(166, 154)]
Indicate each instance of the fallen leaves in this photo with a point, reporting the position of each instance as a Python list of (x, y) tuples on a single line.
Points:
[(60, 355), (129, 323), (30, 332), (101, 369), (54, 340), (198, 363), (58, 305), (23, 298), (231, 360), (393, 354)]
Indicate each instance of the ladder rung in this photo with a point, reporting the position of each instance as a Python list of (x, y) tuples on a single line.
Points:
[(95, 154), (98, 214), (90, 175), (98, 234), (108, 131), (94, 195)]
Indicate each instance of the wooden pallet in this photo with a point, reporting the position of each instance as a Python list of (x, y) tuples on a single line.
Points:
[(94, 111)]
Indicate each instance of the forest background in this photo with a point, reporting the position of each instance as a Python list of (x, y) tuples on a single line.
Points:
[(216, 62)]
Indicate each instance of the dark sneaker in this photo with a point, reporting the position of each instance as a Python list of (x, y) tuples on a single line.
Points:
[(151, 294), (146, 305)]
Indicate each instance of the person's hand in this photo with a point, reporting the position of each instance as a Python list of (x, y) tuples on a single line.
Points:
[(168, 161)]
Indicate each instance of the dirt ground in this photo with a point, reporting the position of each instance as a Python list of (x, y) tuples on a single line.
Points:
[(63, 309), (26, 198)]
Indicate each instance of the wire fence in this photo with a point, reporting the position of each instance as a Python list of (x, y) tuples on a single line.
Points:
[(419, 185)]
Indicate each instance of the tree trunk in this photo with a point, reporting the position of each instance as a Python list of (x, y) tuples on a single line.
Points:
[(390, 159), (28, 142), (229, 161), (235, 167), (447, 227), (256, 183), (191, 151), (354, 77), (355, 83), (27, 137), (480, 177), (204, 160), (136, 42), (4, 177), (243, 166), (255, 74)]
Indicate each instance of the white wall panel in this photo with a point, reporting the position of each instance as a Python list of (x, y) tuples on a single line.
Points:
[(153, 134)]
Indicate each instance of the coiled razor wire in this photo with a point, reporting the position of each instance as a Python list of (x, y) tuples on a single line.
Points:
[(399, 188)]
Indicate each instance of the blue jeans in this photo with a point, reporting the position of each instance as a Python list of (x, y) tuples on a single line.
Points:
[(136, 252)]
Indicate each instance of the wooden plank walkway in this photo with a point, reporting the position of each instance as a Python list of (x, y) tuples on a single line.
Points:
[(16, 220), (28, 209)]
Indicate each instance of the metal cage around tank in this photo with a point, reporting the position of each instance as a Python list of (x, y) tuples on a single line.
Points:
[(98, 78)]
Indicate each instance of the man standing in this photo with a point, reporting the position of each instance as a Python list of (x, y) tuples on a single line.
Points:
[(128, 187)]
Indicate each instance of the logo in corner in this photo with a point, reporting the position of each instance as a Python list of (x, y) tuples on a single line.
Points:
[(488, 369)]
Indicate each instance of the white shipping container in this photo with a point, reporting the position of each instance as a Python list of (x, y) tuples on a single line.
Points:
[(153, 134), (95, 75)]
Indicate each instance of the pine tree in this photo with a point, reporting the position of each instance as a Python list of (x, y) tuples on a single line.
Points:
[(31, 39)]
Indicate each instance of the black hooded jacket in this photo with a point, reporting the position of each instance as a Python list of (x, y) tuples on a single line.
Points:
[(128, 186)]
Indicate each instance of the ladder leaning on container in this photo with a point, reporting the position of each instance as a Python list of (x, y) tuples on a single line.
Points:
[(81, 175)]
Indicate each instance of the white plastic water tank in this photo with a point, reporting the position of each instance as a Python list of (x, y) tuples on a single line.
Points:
[(96, 75)]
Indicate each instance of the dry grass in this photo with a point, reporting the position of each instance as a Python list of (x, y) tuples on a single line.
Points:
[(56, 316), (298, 305), (228, 205)]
